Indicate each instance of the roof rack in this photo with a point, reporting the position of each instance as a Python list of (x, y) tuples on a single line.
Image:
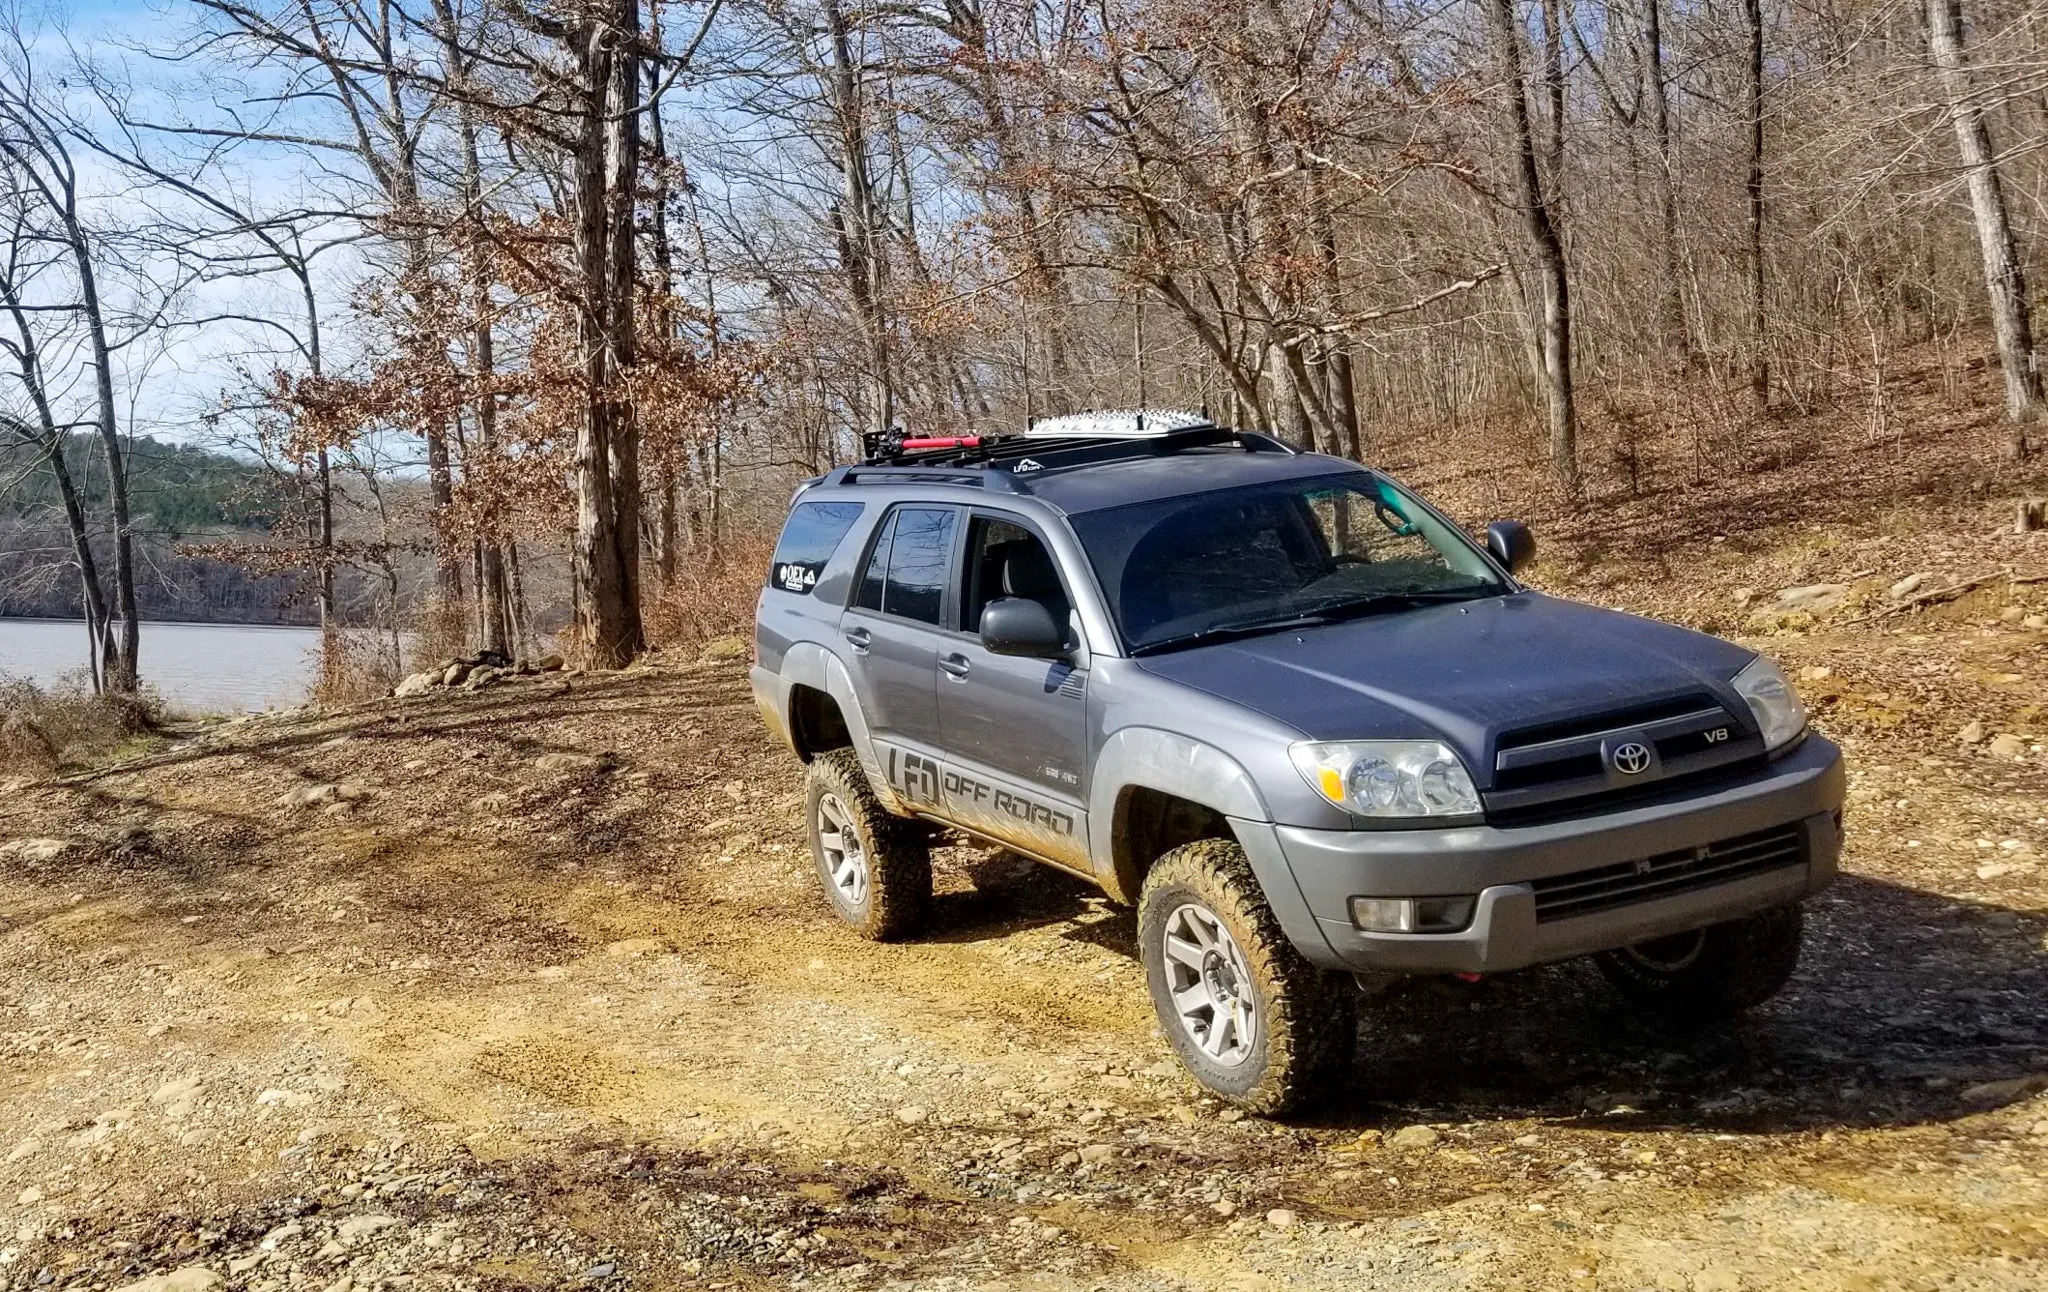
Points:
[(997, 460)]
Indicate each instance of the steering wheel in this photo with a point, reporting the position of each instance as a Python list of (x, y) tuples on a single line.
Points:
[(1397, 524)]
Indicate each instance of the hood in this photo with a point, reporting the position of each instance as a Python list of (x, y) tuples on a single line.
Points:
[(1463, 673)]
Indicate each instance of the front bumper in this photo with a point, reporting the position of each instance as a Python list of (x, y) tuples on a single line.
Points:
[(1803, 789)]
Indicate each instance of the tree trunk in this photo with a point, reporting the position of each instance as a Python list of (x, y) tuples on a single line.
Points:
[(608, 607), (1759, 359), (2004, 274), (126, 673), (1548, 250), (857, 220), (1677, 340)]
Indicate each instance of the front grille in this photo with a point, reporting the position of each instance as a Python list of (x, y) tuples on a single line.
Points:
[(1538, 769), (1604, 887)]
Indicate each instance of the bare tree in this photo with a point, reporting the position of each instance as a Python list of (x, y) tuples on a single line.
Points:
[(1545, 246), (2005, 275)]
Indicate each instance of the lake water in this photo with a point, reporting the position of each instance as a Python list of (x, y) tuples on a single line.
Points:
[(198, 668)]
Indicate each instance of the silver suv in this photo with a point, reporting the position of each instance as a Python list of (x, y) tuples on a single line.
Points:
[(1315, 733)]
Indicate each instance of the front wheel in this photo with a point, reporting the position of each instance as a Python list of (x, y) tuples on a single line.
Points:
[(1249, 1018), (876, 868), (1710, 973)]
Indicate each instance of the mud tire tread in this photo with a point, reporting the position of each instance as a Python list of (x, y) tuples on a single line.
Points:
[(899, 851), (1310, 1020)]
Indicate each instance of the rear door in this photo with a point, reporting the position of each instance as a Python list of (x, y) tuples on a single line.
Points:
[(1014, 729), (892, 626)]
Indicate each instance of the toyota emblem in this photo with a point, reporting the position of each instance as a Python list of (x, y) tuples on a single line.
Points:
[(1632, 758)]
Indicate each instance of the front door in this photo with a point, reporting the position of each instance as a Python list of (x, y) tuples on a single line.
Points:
[(892, 630), (1014, 729)]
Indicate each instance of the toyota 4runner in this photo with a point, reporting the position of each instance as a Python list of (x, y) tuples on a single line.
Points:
[(1293, 714)]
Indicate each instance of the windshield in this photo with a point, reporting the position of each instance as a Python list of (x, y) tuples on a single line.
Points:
[(1182, 570)]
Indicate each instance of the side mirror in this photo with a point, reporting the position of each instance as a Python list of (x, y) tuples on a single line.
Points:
[(1511, 544), (1021, 626)]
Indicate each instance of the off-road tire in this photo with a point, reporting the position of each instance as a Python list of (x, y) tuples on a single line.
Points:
[(1732, 967), (1307, 1018), (898, 894)]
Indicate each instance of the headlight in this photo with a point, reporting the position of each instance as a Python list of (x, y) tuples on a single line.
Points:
[(1779, 715), (1388, 778)]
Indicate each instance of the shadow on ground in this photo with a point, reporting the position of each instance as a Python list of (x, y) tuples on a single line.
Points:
[(1908, 1007)]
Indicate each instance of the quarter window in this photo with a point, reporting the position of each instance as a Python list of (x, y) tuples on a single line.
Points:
[(812, 534)]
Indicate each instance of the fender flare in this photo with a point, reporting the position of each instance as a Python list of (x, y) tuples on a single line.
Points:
[(1150, 758), (812, 665)]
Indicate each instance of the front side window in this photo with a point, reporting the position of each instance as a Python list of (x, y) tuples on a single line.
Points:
[(1004, 559), (906, 572), (1182, 570)]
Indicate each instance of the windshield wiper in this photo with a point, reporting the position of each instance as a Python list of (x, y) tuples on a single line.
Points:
[(1313, 618), (1229, 631), (1384, 601)]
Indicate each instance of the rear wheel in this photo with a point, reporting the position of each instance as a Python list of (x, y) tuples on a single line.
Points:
[(1248, 1017), (876, 868), (1710, 973)]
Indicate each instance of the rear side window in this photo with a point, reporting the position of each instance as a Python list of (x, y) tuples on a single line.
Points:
[(809, 538), (906, 573)]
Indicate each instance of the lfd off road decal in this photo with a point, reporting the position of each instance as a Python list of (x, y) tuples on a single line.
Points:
[(998, 810)]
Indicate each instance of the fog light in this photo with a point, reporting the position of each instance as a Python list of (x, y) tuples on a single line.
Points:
[(1412, 914)]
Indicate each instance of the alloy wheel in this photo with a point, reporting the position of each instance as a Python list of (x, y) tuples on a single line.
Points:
[(846, 861), (1211, 984)]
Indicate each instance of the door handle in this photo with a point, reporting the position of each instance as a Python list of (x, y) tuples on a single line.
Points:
[(860, 639), (956, 666)]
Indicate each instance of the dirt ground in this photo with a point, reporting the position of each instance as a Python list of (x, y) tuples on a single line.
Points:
[(537, 991)]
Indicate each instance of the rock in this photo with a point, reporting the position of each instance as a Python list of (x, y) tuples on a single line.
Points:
[(548, 663), (1813, 598), (1743, 596), (2011, 615), (2007, 745), (28, 1197), (1282, 1218), (455, 673), (2007, 1091), (1906, 587), (720, 648), (192, 1278), (1972, 733), (484, 675), (1367, 1140), (179, 1091), (1414, 1137), (1716, 1280), (282, 1098), (342, 1284), (912, 1114), (356, 1228), (2035, 623), (312, 796), (564, 761), (26, 1148), (1816, 673), (1097, 1154), (1224, 1207), (418, 684), (36, 849), (1994, 870)]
